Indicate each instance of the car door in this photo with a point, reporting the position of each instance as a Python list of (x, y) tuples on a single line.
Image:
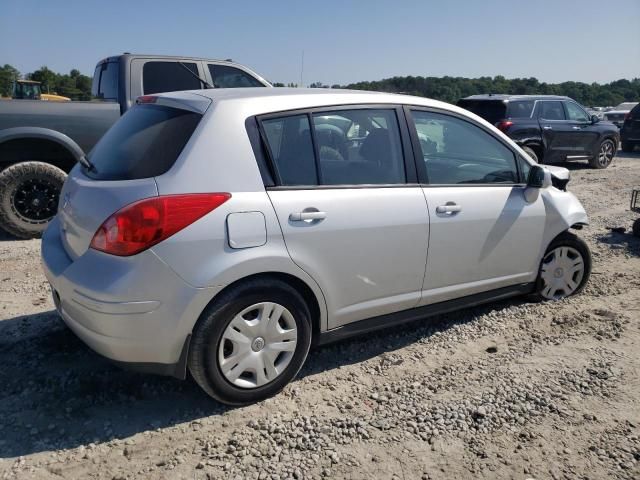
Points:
[(557, 132), (351, 212), (584, 134), (483, 233)]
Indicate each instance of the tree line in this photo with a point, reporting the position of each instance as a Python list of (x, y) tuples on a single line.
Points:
[(449, 89), (74, 84)]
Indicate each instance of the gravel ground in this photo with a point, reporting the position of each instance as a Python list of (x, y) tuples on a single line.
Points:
[(509, 390)]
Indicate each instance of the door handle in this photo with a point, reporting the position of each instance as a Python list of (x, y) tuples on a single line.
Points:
[(449, 209), (547, 127), (307, 216)]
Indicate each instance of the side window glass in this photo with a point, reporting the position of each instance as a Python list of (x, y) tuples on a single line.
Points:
[(551, 111), (576, 113), (359, 147), (458, 152), (159, 77), (291, 148), (525, 168), (225, 76)]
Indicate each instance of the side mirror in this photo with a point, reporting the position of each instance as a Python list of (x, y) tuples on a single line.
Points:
[(594, 119), (539, 177)]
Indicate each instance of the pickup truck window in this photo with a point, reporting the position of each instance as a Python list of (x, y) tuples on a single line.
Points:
[(105, 81), (144, 143), (225, 76), (159, 77)]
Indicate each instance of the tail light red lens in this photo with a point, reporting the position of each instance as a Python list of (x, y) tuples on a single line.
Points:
[(142, 224), (504, 125)]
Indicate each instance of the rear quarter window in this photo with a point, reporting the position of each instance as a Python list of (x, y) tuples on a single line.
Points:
[(144, 143), (160, 77), (491, 110)]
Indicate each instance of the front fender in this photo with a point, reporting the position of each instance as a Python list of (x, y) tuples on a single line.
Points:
[(563, 211), (40, 133)]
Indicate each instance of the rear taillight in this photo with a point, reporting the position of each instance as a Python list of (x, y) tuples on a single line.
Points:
[(146, 99), (142, 224), (504, 125), (628, 116)]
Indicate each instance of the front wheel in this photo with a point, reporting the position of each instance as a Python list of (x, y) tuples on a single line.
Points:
[(606, 152), (29, 193), (565, 268), (250, 342)]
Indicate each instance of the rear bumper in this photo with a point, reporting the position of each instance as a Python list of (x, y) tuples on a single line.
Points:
[(134, 310)]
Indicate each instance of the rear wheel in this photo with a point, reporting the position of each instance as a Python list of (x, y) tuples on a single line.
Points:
[(627, 147), (606, 152), (250, 342), (529, 151), (565, 268), (29, 193)]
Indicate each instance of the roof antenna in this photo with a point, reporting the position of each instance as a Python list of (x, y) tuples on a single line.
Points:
[(302, 69)]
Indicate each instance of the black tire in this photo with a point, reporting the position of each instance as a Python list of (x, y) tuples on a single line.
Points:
[(597, 161), (529, 151), (567, 239), (628, 147), (636, 228), (207, 335), (29, 183)]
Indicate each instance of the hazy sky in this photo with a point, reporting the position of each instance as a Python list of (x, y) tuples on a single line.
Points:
[(343, 41)]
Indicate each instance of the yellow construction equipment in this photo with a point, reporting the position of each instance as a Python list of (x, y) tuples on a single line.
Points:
[(32, 90)]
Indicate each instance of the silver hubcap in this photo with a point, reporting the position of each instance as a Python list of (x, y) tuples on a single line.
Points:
[(562, 271), (257, 345), (606, 153)]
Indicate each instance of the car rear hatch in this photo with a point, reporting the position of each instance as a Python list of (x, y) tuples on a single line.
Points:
[(143, 144)]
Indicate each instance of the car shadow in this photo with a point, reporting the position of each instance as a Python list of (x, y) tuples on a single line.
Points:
[(621, 241), (58, 394)]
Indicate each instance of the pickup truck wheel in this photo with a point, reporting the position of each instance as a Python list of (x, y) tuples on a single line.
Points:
[(529, 151), (605, 154), (29, 193)]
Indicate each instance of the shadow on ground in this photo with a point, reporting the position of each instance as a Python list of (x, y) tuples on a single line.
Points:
[(58, 394), (622, 241)]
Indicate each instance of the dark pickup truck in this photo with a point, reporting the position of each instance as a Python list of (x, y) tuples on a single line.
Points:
[(549, 128), (41, 141)]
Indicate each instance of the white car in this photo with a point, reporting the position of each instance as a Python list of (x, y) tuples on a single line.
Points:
[(226, 231), (618, 114)]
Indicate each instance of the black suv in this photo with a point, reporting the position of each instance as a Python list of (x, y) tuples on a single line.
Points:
[(549, 128), (630, 131)]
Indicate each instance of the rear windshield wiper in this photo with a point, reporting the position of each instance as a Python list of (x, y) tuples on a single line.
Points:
[(204, 82)]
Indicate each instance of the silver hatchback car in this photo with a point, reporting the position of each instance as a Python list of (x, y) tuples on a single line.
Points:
[(227, 231)]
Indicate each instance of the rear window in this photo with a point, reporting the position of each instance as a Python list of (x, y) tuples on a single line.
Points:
[(491, 110), (105, 81), (144, 143), (160, 77)]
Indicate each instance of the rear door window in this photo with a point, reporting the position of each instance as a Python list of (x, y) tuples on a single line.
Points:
[(520, 108), (551, 110), (225, 76), (159, 77), (144, 143)]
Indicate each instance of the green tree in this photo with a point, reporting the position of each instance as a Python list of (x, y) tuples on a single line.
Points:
[(8, 75)]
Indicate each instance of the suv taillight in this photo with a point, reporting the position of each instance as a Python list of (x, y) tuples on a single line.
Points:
[(142, 224), (504, 125)]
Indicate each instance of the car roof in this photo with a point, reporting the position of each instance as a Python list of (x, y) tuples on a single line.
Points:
[(255, 101), (506, 97)]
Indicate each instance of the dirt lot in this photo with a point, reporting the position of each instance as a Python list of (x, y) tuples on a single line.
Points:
[(509, 390)]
